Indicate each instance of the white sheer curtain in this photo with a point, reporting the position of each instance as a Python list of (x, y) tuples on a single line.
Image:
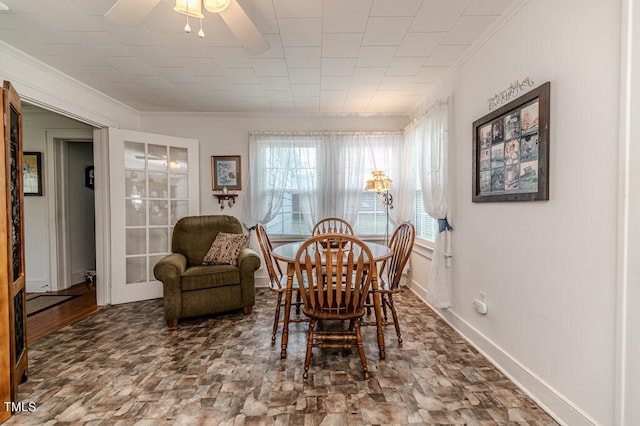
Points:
[(405, 185), (344, 175), (328, 169), (433, 167), (307, 174), (384, 152), (270, 159), (275, 159)]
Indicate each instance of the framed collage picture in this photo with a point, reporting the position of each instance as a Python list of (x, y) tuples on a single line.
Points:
[(511, 150)]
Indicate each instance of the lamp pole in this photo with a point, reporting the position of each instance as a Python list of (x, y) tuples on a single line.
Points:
[(381, 184), (387, 201)]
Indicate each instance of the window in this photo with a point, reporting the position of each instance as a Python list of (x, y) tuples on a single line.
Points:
[(301, 178), (290, 218), (426, 226), (372, 216)]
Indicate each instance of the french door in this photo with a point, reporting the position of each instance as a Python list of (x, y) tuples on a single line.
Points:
[(154, 181)]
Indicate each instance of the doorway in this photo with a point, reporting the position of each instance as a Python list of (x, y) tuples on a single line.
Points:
[(77, 204), (51, 241), (70, 201)]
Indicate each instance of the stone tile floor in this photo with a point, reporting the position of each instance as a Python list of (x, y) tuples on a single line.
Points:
[(123, 366)]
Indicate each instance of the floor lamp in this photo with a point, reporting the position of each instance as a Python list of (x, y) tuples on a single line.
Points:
[(380, 183)]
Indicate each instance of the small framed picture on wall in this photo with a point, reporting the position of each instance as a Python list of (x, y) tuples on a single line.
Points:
[(226, 172), (32, 173)]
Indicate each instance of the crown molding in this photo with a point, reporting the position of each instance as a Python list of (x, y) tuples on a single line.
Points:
[(46, 87)]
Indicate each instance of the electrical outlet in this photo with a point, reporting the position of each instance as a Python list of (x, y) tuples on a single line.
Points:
[(482, 296)]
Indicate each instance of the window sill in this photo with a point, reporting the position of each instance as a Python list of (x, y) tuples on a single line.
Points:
[(423, 248)]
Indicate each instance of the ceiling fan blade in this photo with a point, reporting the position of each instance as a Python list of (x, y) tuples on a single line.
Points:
[(244, 29), (130, 12)]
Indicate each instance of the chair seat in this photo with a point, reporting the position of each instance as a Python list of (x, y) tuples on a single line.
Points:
[(325, 314)]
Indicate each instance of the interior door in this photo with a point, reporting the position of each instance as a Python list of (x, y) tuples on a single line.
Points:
[(154, 181)]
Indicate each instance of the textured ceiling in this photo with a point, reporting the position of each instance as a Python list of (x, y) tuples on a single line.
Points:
[(326, 56)]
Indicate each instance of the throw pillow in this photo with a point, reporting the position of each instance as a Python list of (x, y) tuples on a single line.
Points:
[(225, 249)]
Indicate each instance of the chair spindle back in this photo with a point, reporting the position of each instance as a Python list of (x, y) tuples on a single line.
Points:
[(332, 225), (401, 244)]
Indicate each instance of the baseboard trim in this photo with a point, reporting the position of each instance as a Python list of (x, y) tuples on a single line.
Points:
[(261, 282), (77, 277), (549, 399), (37, 286)]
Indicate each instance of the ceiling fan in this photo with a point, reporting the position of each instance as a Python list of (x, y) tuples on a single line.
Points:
[(131, 12)]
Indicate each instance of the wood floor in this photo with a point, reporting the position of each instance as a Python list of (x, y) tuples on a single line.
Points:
[(46, 322), (123, 366)]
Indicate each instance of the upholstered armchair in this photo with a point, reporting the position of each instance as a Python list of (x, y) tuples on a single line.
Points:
[(223, 283)]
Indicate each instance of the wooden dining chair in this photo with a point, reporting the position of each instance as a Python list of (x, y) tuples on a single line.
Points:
[(390, 273), (277, 280), (340, 297), (332, 224)]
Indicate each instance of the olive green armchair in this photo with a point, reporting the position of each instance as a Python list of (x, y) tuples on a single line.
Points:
[(193, 289)]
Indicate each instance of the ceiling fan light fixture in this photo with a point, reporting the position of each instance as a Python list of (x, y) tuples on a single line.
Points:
[(216, 6), (190, 8)]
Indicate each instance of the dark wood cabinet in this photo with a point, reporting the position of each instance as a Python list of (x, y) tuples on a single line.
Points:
[(12, 270)]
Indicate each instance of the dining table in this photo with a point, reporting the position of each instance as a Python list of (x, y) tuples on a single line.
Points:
[(286, 253)]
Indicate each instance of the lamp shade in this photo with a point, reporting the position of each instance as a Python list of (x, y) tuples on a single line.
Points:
[(216, 6), (190, 8), (379, 182)]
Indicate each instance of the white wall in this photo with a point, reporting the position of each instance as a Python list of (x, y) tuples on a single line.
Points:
[(548, 268)]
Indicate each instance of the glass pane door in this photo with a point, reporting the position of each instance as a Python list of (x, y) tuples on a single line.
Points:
[(159, 183)]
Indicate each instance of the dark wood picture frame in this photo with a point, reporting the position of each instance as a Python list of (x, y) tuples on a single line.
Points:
[(511, 150), (226, 172), (32, 173)]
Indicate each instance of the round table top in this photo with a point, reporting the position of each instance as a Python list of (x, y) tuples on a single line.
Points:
[(287, 252)]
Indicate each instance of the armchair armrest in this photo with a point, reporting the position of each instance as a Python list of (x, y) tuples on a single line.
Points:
[(170, 267), (248, 259), (248, 263), (169, 270)]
